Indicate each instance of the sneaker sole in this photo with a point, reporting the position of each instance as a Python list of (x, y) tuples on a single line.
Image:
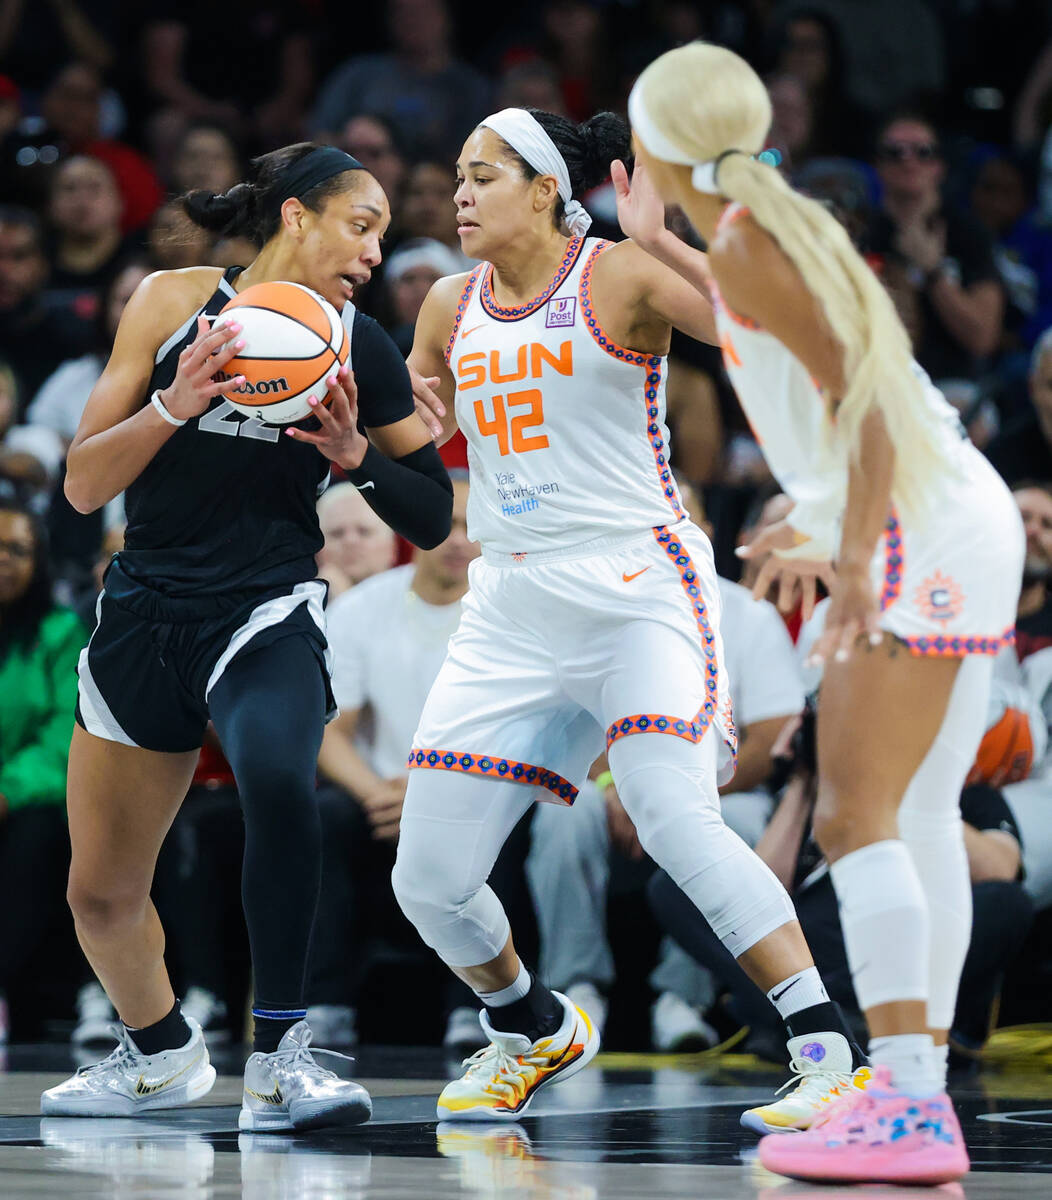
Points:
[(308, 1116), (116, 1105), (751, 1120), (820, 1168), (591, 1049)]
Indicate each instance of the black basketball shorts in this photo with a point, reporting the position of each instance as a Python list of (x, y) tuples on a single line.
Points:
[(147, 672)]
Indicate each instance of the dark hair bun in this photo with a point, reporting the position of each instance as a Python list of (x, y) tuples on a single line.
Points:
[(233, 212), (604, 137)]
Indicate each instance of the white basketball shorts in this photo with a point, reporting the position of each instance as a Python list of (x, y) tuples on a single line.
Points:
[(559, 654), (949, 583)]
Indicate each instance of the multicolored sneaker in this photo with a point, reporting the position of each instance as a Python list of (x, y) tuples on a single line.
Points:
[(128, 1082), (821, 1066), (878, 1135), (502, 1079), (289, 1090)]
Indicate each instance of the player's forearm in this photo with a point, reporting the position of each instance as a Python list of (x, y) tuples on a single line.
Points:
[(779, 844), (104, 464), (412, 494), (690, 264)]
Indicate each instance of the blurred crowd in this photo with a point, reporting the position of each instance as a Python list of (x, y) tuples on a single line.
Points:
[(925, 125)]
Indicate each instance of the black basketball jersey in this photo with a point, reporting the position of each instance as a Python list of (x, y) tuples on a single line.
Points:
[(228, 502)]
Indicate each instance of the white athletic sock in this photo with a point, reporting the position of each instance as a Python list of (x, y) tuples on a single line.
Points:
[(911, 1058), (799, 991), (514, 991), (942, 1055), (885, 921)]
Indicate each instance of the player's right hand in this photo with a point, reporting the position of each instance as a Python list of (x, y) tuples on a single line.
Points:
[(428, 404), (191, 391)]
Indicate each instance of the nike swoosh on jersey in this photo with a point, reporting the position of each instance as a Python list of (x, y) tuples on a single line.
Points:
[(364, 486), (469, 332), (634, 575)]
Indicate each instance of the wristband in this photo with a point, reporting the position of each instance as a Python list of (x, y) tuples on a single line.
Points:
[(604, 780), (158, 403)]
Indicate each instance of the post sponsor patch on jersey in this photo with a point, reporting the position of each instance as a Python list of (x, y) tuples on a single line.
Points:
[(562, 312)]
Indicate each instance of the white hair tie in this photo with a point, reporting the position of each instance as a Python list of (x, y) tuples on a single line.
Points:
[(529, 139)]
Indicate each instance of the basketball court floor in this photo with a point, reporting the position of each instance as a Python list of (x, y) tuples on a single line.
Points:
[(631, 1126)]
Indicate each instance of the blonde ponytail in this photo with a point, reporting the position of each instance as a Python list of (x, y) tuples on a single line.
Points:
[(706, 100)]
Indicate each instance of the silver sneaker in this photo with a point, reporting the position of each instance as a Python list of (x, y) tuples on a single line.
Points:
[(289, 1090), (128, 1082)]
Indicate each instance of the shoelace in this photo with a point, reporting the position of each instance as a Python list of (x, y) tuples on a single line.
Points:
[(124, 1053), (498, 1064), (302, 1055), (813, 1085)]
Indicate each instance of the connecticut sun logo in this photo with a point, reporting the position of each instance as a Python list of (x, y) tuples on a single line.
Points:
[(940, 598)]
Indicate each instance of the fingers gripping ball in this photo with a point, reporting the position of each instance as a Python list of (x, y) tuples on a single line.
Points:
[(1006, 752), (294, 340)]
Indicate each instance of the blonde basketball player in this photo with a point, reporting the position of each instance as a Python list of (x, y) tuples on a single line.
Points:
[(593, 617), (928, 550)]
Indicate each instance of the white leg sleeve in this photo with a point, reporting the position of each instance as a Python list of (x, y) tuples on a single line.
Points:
[(885, 921), (930, 825), (668, 788), (453, 827), (568, 869)]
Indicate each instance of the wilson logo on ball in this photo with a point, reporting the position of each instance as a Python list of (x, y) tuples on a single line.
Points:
[(260, 388), (294, 341)]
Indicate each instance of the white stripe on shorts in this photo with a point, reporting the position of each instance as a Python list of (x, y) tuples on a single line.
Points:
[(96, 714), (273, 612)]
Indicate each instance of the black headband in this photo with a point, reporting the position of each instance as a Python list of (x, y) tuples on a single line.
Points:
[(312, 169), (719, 159)]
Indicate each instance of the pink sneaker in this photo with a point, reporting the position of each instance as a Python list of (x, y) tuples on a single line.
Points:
[(875, 1136)]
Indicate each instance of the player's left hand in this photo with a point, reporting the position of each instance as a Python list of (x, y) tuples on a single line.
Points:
[(339, 438), (797, 578), (429, 407), (640, 212), (853, 614)]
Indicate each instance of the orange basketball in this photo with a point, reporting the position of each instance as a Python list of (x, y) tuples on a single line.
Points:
[(1006, 752), (294, 340)]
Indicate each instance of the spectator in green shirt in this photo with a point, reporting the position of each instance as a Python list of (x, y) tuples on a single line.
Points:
[(39, 645)]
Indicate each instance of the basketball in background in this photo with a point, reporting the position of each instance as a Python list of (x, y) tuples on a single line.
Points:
[(294, 340), (1006, 752)]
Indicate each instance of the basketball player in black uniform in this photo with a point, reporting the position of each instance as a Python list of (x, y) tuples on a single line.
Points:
[(212, 611)]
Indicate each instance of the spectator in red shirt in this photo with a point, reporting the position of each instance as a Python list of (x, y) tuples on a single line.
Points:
[(72, 108)]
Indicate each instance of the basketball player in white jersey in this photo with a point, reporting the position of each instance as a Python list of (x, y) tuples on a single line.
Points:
[(928, 552), (592, 622)]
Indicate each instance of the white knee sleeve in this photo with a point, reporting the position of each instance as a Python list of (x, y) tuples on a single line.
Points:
[(453, 827), (885, 921), (668, 788), (930, 825)]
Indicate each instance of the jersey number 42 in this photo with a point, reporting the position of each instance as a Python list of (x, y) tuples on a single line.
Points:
[(510, 430)]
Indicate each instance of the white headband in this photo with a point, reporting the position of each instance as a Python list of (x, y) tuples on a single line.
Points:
[(703, 176), (527, 137)]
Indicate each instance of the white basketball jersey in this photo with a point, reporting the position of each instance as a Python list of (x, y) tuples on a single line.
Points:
[(790, 420), (565, 429)]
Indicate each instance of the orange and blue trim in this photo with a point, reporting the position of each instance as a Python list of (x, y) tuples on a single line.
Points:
[(894, 562), (462, 308), (497, 768), (958, 647), (516, 313), (695, 729), (653, 363)]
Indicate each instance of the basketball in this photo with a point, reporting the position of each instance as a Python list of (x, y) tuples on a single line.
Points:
[(294, 340), (1006, 752)]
